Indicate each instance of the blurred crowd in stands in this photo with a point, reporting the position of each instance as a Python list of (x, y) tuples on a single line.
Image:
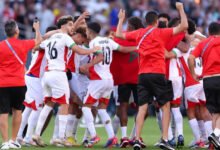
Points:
[(104, 11)]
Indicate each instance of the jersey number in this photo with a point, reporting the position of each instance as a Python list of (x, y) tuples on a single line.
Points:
[(52, 50), (106, 53)]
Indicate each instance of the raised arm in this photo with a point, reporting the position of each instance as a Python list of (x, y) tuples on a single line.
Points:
[(121, 17), (38, 37), (184, 23), (82, 51), (83, 16)]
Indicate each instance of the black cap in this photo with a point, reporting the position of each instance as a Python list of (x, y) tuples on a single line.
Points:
[(94, 26)]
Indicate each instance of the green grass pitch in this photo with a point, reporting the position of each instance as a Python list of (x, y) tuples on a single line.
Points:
[(150, 134)]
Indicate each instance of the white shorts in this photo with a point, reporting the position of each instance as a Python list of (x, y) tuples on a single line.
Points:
[(79, 84), (56, 87), (34, 96), (177, 83), (194, 95), (99, 91)]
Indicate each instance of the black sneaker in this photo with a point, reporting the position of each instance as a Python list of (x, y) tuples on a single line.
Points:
[(180, 141), (214, 140), (137, 145), (165, 145)]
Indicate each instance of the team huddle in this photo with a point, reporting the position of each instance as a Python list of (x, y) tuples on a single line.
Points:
[(77, 69)]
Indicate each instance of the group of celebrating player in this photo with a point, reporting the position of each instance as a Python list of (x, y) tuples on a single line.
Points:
[(77, 69)]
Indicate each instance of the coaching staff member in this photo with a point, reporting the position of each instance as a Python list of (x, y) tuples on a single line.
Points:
[(13, 56), (209, 51), (152, 81)]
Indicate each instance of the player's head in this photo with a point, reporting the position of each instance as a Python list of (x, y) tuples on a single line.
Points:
[(134, 23), (191, 26), (151, 18), (66, 23), (79, 36), (214, 28), (174, 22), (11, 29), (51, 28), (93, 29), (164, 19)]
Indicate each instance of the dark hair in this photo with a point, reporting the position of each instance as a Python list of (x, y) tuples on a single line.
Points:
[(81, 31), (162, 24), (94, 26), (191, 26), (135, 23), (151, 17), (214, 28), (174, 22), (51, 28), (10, 28), (164, 15), (64, 20)]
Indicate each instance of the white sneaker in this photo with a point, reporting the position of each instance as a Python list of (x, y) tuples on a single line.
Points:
[(14, 144), (5, 146), (37, 139), (55, 142)]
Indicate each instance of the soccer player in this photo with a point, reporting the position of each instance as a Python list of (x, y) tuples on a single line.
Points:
[(208, 50), (124, 69), (152, 81), (13, 57), (34, 95), (101, 83), (76, 86), (55, 83)]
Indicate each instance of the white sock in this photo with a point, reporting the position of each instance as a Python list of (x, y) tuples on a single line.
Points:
[(217, 132), (159, 120), (208, 127), (69, 126), (195, 129), (170, 133), (178, 118), (42, 119), (133, 132), (116, 124), (32, 122), (24, 120), (56, 128), (202, 128), (63, 119), (106, 120), (124, 131), (89, 119), (86, 135), (75, 126)]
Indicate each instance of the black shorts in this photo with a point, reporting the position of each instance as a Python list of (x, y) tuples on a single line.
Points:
[(124, 92), (212, 92), (154, 85), (11, 97)]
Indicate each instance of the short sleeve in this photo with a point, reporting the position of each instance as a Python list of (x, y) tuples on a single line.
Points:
[(114, 45), (197, 51), (43, 44), (69, 41), (166, 34), (28, 44)]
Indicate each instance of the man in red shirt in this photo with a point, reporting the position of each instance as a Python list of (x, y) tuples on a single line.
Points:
[(124, 69), (208, 50), (152, 68), (13, 56)]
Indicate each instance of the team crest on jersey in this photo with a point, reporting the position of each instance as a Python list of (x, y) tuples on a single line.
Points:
[(133, 56)]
